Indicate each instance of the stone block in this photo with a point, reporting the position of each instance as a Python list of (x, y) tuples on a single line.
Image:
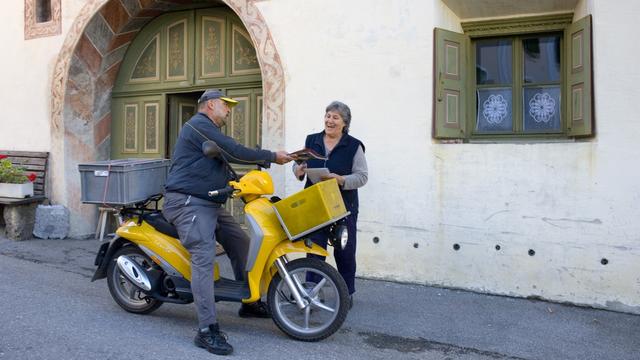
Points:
[(19, 220), (102, 129), (115, 15), (113, 57), (52, 222), (99, 33), (89, 54), (121, 39), (136, 24), (132, 6)]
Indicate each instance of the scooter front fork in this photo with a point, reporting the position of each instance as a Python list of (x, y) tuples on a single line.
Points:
[(292, 282)]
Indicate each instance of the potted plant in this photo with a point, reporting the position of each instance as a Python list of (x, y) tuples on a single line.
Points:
[(14, 182)]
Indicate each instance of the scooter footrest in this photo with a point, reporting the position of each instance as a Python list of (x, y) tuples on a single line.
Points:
[(231, 290)]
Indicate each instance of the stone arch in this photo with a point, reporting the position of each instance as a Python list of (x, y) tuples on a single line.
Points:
[(84, 75)]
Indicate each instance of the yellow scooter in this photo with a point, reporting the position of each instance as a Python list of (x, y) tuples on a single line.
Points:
[(146, 265)]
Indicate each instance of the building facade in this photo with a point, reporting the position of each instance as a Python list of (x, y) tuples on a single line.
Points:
[(500, 138)]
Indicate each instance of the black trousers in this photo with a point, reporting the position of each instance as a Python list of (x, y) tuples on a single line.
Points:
[(345, 259)]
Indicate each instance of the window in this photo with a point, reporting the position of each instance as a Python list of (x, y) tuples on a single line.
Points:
[(42, 18), (525, 79)]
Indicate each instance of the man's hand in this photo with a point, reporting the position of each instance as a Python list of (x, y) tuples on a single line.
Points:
[(282, 157), (338, 178)]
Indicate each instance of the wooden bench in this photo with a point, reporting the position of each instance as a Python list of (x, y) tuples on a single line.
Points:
[(19, 214)]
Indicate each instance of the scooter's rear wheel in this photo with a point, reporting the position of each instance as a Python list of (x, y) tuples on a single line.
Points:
[(322, 288), (125, 294)]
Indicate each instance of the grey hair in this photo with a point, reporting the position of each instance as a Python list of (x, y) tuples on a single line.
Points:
[(202, 104), (343, 110)]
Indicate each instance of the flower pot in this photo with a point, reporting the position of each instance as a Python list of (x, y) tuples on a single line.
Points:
[(16, 190)]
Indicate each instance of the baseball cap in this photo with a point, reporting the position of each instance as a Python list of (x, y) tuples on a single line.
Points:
[(217, 94)]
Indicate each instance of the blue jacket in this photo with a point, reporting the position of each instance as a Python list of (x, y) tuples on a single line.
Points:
[(194, 174), (340, 162)]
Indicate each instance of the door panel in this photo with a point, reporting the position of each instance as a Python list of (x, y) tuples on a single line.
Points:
[(242, 125), (181, 109), (137, 128)]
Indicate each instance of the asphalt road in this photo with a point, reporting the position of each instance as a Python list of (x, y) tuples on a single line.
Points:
[(49, 309)]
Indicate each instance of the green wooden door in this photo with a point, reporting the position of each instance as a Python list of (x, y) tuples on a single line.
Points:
[(244, 125), (168, 65), (172, 60)]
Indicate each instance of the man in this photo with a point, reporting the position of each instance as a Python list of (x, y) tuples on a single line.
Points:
[(200, 220)]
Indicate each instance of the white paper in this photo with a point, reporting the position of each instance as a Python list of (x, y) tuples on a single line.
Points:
[(315, 174)]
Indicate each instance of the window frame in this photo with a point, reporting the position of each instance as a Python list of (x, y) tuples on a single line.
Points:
[(516, 29), (517, 89)]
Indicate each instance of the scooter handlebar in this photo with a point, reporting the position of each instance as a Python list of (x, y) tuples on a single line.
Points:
[(224, 191)]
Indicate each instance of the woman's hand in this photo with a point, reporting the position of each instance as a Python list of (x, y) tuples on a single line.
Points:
[(338, 178), (299, 172)]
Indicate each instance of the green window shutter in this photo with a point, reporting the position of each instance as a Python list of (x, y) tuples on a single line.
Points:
[(450, 78), (579, 78)]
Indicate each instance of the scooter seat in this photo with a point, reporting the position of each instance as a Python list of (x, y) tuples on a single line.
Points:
[(160, 223)]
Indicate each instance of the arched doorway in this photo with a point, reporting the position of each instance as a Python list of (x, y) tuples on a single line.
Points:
[(85, 74), (170, 62)]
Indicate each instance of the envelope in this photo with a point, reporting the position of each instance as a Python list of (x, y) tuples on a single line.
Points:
[(315, 174)]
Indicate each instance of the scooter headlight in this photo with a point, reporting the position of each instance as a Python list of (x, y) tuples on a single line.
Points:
[(344, 237), (340, 236)]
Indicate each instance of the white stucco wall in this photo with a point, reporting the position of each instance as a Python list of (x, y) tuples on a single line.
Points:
[(26, 73), (573, 203)]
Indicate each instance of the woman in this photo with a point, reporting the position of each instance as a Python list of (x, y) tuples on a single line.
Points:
[(347, 164)]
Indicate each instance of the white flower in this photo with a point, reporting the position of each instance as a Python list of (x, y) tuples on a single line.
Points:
[(494, 109), (542, 107)]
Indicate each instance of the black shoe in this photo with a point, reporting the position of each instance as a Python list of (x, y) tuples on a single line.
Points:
[(350, 301), (255, 309), (214, 341)]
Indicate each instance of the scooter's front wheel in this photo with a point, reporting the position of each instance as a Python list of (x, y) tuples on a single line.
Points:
[(125, 294), (325, 297)]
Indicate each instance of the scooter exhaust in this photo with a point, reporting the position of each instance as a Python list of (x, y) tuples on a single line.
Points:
[(133, 272)]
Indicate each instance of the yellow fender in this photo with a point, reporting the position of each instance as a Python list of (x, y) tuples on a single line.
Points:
[(284, 248)]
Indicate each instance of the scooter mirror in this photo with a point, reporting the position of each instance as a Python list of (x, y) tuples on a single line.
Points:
[(210, 149)]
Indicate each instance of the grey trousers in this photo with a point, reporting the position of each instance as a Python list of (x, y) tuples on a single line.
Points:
[(200, 223)]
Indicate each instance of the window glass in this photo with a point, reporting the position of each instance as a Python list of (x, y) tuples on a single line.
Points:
[(493, 61), (43, 11), (539, 92), (541, 110), (541, 59), (494, 110)]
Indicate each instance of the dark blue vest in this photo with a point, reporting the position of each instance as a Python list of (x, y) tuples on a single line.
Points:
[(340, 162)]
